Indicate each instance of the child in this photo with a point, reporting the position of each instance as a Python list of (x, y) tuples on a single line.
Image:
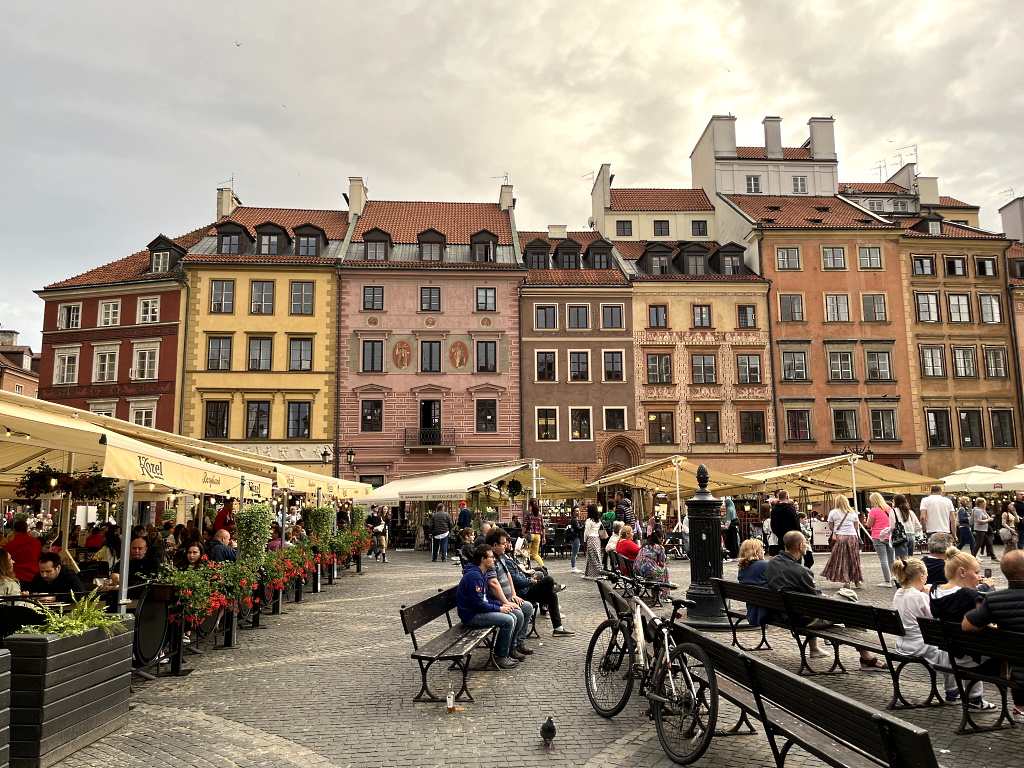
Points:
[(911, 602)]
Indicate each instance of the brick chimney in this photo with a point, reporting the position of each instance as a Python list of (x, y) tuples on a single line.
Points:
[(357, 194), (8, 338), (773, 137), (227, 202)]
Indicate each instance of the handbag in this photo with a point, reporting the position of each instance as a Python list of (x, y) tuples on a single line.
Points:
[(835, 531), (1005, 534), (603, 534), (378, 529), (898, 536)]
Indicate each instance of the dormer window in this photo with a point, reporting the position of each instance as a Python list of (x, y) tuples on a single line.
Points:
[(376, 244), (934, 227), (307, 246), (229, 244), (696, 265), (599, 259), (483, 247), (732, 265), (310, 240), (899, 206), (570, 258), (431, 245), (377, 251), (271, 239), (822, 208), (161, 262), (270, 244), (875, 206), (537, 259), (483, 252), (659, 265)]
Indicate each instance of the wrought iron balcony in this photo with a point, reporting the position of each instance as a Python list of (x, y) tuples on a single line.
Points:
[(430, 438)]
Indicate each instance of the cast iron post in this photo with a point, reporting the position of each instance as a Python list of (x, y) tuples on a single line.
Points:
[(704, 511)]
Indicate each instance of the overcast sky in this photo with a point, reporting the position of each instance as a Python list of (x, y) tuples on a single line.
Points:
[(120, 119)]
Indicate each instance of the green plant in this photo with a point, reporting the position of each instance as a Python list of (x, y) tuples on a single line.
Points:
[(209, 587), (318, 522), (44, 479), (287, 563), (514, 488), (86, 614), (252, 526)]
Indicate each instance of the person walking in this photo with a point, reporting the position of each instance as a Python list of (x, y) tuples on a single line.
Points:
[(592, 536), (911, 527), (881, 520), (844, 563), (964, 529), (533, 526), (1008, 523), (1018, 507), (982, 536), (440, 530), (937, 513), (574, 534), (783, 520)]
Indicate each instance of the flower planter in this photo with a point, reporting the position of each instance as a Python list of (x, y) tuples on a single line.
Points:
[(66, 693), (5, 704)]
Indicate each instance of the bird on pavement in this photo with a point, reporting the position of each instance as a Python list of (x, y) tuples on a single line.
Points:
[(548, 731)]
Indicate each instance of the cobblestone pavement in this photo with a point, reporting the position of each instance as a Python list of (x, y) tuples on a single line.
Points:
[(331, 684)]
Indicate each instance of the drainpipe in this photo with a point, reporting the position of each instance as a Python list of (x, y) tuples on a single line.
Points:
[(337, 345), (771, 354), (1014, 334), (183, 346)]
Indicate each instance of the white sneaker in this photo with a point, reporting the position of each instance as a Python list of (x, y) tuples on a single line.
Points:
[(575, 570), (886, 584)]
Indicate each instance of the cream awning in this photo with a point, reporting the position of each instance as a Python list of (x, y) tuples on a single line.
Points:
[(835, 474), (304, 481), (661, 475)]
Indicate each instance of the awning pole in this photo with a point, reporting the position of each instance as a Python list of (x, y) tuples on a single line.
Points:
[(126, 535)]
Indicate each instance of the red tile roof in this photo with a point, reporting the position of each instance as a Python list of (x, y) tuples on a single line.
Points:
[(583, 238), (951, 202), (636, 199), (885, 187), (334, 223), (256, 258), (948, 230), (489, 265), (1015, 251), (130, 268), (632, 249), (575, 277), (803, 213), (457, 221), (760, 153), (702, 278)]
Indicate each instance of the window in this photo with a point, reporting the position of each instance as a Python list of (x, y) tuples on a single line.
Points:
[(300, 354), (579, 424), (837, 308), (229, 243), (659, 265), (599, 259), (430, 356), (956, 266), (430, 299), (1003, 435), (105, 366), (257, 420), (430, 251), (486, 299), (377, 251), (883, 424), (149, 310), (965, 363), (217, 419), (791, 307), (614, 419), (298, 420), (611, 316), (840, 366), (933, 362), (659, 368), (269, 244), (959, 307), (834, 258), (546, 366), (161, 262), (579, 366), (222, 296), (874, 307), (934, 227), (732, 265), (308, 245), (787, 258), (870, 257), (371, 416), (844, 424), (66, 368), (704, 369), (613, 366), (748, 369), (487, 357), (794, 366), (899, 206), (924, 265), (657, 316), (879, 366), (701, 315), (927, 307), (570, 258), (145, 363), (971, 435), (486, 415), (699, 228), (798, 425), (995, 363), (110, 313), (752, 427), (302, 298), (937, 425), (985, 267), (660, 228), (547, 423), (579, 316), (991, 309), (696, 265), (259, 353), (373, 356), (753, 185), (623, 228), (218, 353), (661, 428), (538, 260), (746, 316), (262, 297), (373, 298), (799, 185), (483, 252), (545, 316), (18, 389), (875, 205), (142, 414), (705, 427), (101, 408)]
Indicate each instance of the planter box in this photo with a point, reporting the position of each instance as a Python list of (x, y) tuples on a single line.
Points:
[(67, 692), (5, 704)]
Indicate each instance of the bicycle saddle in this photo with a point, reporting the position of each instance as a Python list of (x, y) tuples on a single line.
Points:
[(682, 602)]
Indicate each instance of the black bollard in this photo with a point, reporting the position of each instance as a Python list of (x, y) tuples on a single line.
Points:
[(230, 639), (275, 602), (298, 589), (359, 563), (704, 511), (314, 579), (332, 572)]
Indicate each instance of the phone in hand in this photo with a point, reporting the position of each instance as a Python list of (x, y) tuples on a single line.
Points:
[(988, 573)]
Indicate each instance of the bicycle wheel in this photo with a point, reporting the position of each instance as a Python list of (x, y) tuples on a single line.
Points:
[(609, 667), (685, 704)]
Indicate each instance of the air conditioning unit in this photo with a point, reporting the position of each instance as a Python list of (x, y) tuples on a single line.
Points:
[(217, 307)]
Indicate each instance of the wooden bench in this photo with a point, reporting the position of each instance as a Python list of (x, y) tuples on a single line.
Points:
[(455, 644), (749, 594), (1001, 645), (793, 710)]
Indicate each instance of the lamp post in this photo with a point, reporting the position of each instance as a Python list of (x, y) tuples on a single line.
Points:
[(853, 455), (704, 511)]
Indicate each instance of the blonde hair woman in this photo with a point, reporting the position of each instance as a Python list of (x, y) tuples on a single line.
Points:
[(880, 521), (844, 563), (751, 571), (911, 602)]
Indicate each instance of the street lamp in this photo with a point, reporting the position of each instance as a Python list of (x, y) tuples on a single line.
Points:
[(325, 455), (350, 456)]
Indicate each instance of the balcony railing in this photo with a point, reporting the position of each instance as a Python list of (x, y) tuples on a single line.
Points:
[(430, 438)]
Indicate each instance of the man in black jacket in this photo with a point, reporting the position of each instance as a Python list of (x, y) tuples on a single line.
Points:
[(784, 519), (55, 580)]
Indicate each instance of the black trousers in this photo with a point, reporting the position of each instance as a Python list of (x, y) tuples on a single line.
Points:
[(543, 593)]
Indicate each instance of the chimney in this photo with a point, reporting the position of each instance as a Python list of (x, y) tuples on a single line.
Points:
[(823, 138), (1013, 219), (723, 135), (8, 338), (557, 231), (227, 202), (357, 193), (928, 190), (505, 199), (773, 137)]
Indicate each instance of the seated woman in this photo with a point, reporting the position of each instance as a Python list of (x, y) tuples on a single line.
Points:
[(275, 538), (911, 602), (190, 557), (751, 571), (626, 546), (650, 563), (466, 536)]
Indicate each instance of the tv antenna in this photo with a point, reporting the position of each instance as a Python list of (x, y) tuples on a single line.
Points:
[(1009, 192), (503, 177), (591, 176), (230, 181), (881, 168), (900, 153)]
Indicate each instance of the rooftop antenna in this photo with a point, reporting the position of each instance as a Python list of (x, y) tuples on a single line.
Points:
[(592, 175), (230, 181), (503, 177), (913, 151), (882, 172), (1009, 192)]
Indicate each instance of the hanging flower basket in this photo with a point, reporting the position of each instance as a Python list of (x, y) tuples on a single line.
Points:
[(44, 480)]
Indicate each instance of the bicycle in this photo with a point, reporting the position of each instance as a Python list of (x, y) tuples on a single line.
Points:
[(678, 680)]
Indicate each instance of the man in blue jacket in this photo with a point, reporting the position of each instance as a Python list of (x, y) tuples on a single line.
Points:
[(533, 587), (465, 516), (476, 609)]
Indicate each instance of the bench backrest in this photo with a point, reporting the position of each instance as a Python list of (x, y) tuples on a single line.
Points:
[(995, 643), (841, 611), (425, 611), (764, 597)]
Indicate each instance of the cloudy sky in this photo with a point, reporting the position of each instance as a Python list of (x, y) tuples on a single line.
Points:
[(120, 119)]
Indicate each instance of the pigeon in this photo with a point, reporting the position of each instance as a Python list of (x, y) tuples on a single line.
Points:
[(548, 731)]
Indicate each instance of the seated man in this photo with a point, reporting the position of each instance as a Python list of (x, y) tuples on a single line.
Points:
[(485, 528), (935, 560), (142, 566), (55, 580), (499, 581), (786, 572), (221, 549), (477, 610), (535, 587)]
